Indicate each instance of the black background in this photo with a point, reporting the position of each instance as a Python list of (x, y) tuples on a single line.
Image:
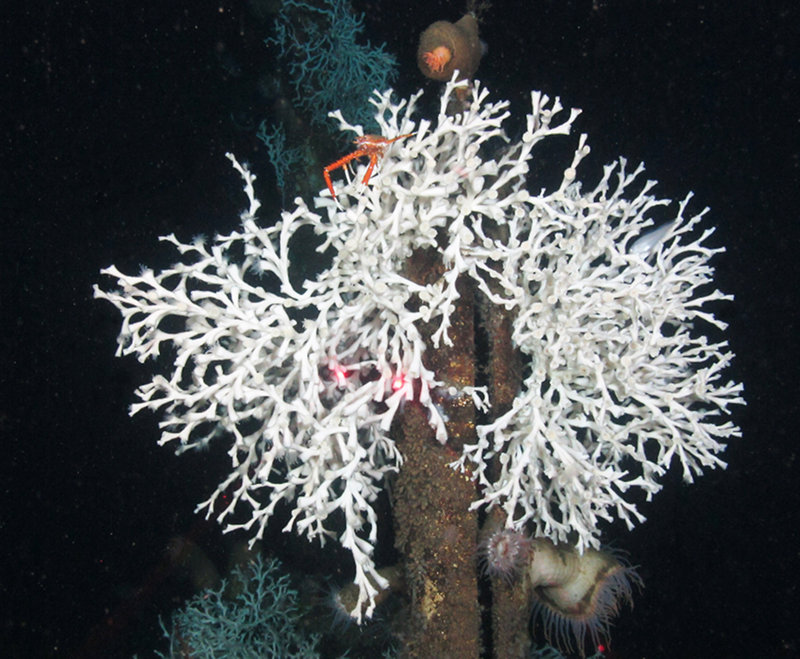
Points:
[(116, 116)]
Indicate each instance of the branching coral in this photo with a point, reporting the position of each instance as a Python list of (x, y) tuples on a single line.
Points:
[(306, 378)]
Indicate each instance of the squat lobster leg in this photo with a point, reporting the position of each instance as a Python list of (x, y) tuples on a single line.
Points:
[(368, 145)]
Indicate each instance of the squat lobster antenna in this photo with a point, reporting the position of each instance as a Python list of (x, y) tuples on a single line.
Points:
[(368, 145)]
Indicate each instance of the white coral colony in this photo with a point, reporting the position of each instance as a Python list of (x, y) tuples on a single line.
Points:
[(305, 379)]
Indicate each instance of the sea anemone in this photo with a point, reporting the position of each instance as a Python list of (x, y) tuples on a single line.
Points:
[(445, 47), (578, 594), (505, 554)]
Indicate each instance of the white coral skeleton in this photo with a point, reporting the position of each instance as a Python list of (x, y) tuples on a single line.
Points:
[(305, 378)]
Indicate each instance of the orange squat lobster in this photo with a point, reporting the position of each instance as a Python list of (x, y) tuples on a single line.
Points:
[(368, 145)]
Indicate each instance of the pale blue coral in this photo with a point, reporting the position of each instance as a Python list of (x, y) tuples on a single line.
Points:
[(261, 621), (328, 67)]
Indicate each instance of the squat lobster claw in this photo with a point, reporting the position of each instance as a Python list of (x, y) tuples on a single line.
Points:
[(368, 145)]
